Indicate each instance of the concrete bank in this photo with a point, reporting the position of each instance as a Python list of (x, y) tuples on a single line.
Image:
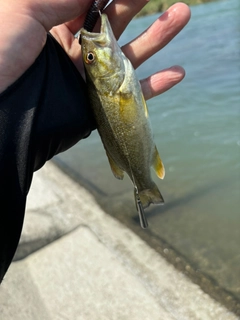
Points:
[(77, 262)]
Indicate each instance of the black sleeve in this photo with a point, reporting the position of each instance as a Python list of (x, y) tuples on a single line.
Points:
[(44, 112)]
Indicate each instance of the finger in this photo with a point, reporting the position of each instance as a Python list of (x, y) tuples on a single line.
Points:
[(75, 25), (121, 12), (161, 32), (161, 81)]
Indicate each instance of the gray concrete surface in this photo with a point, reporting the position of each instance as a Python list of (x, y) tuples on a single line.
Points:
[(77, 262)]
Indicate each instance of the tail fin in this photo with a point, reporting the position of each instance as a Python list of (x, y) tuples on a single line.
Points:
[(149, 196)]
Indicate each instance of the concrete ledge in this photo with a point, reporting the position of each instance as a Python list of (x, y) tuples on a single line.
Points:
[(91, 266)]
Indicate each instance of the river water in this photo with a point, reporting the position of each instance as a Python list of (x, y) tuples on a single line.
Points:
[(197, 131)]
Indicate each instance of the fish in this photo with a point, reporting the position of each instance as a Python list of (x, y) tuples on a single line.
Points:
[(121, 115)]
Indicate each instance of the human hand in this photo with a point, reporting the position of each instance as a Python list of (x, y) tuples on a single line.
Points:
[(27, 23), (160, 33)]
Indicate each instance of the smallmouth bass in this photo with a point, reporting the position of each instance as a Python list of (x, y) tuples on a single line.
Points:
[(121, 114)]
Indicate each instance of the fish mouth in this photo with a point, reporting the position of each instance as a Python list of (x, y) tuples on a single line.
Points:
[(102, 37)]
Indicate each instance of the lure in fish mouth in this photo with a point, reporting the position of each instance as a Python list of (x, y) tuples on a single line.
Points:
[(96, 7), (121, 114)]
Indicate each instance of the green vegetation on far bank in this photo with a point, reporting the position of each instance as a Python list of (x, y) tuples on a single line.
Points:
[(155, 6)]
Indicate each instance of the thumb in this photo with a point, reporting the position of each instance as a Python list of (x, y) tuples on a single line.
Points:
[(52, 12)]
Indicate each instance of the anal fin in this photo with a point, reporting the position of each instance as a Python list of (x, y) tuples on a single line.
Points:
[(117, 172), (158, 165)]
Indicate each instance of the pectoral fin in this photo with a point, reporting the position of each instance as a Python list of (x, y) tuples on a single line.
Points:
[(145, 106), (117, 172), (158, 165)]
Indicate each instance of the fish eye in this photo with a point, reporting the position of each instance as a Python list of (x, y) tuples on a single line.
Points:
[(90, 57)]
